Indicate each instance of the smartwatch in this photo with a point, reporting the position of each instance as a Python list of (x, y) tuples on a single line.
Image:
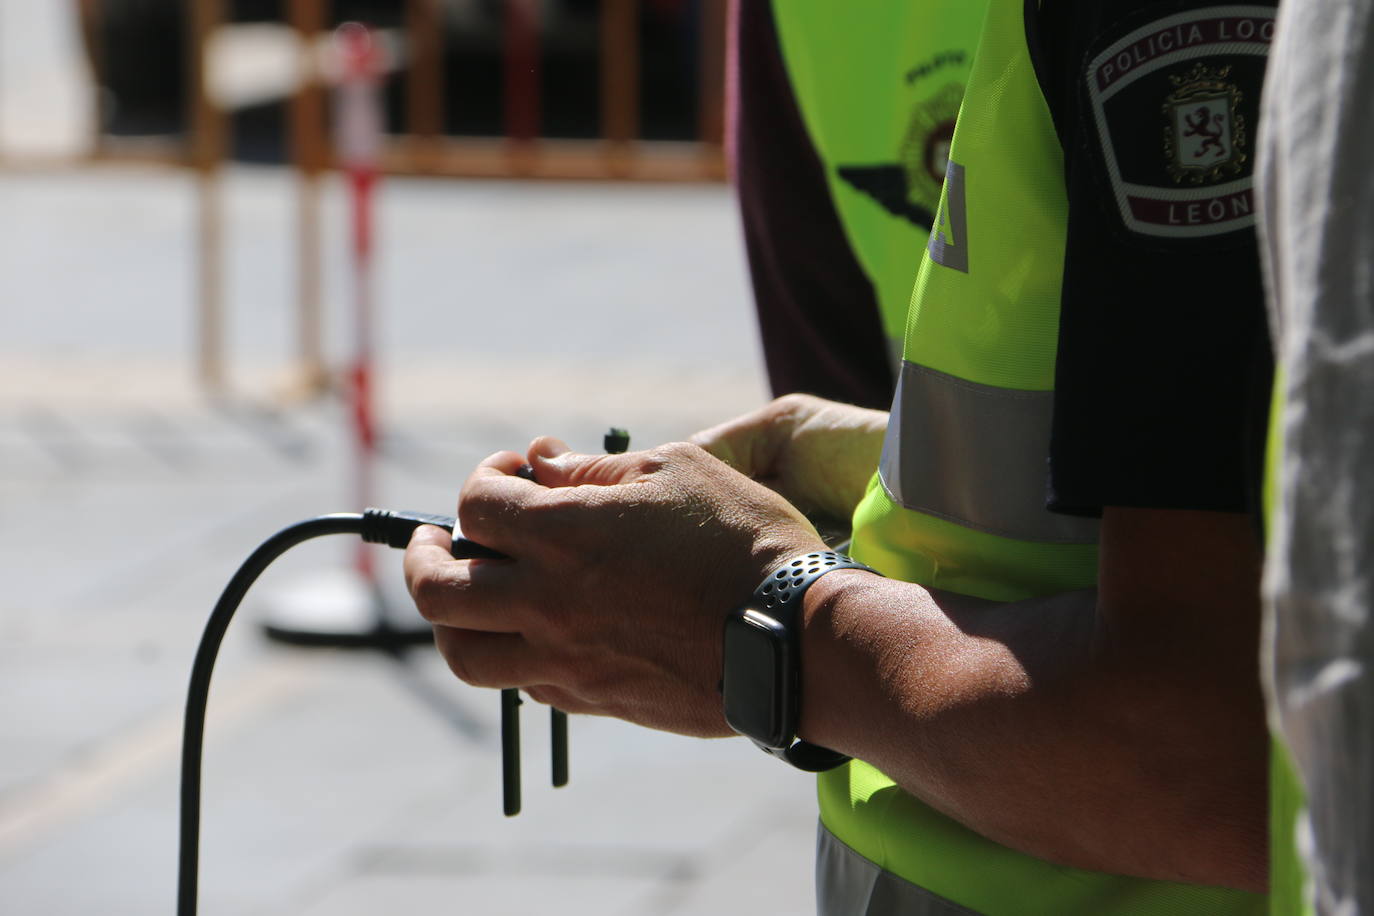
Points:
[(761, 681)]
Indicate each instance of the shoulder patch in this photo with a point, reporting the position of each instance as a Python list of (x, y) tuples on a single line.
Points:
[(1175, 101)]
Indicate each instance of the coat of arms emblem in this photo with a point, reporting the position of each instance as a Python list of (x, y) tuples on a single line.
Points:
[(1199, 72), (1204, 134), (910, 187), (925, 148)]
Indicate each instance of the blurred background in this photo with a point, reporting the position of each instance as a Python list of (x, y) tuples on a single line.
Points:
[(553, 250)]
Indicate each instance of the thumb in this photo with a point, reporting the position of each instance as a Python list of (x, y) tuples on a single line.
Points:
[(556, 466), (547, 447)]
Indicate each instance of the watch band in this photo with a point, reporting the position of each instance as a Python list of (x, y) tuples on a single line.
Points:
[(781, 595), (782, 591)]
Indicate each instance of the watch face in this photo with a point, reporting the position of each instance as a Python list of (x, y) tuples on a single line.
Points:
[(757, 667)]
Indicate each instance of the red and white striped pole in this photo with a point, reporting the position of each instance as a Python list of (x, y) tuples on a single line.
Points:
[(331, 609), (358, 142)]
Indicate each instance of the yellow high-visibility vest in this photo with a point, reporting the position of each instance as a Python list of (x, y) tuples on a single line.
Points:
[(958, 502)]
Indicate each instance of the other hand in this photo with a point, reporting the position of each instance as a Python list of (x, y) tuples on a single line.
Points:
[(818, 454)]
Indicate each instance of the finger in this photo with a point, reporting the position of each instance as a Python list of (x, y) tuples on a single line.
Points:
[(474, 594), (548, 447), (431, 536), (571, 469), (492, 501), (558, 698), (501, 464), (489, 659), (427, 555)]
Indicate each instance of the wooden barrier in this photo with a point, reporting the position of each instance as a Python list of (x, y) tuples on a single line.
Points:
[(207, 149), (309, 147), (619, 154)]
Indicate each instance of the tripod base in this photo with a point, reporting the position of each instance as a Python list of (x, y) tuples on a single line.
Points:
[(338, 609)]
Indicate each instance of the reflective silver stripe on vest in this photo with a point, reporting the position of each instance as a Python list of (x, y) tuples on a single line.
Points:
[(976, 455), (847, 884)]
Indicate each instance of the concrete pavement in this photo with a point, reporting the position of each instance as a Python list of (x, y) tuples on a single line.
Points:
[(340, 783)]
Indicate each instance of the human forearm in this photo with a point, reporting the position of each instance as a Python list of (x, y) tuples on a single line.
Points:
[(1023, 723), (1121, 730)]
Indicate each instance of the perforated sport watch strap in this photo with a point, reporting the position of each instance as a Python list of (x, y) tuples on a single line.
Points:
[(774, 612)]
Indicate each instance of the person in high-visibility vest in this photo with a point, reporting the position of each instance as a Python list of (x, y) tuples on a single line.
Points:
[(842, 119), (1046, 714)]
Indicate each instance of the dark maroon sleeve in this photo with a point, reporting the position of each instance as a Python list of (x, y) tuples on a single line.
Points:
[(817, 310)]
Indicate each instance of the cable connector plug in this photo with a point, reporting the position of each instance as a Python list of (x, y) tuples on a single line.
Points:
[(394, 528)]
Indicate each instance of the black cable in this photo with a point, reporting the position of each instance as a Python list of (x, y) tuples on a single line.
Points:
[(510, 751), (378, 526), (197, 695)]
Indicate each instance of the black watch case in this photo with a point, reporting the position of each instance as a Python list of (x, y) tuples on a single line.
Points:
[(761, 677)]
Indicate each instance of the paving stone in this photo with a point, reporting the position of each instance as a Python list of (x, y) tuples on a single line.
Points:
[(341, 783)]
